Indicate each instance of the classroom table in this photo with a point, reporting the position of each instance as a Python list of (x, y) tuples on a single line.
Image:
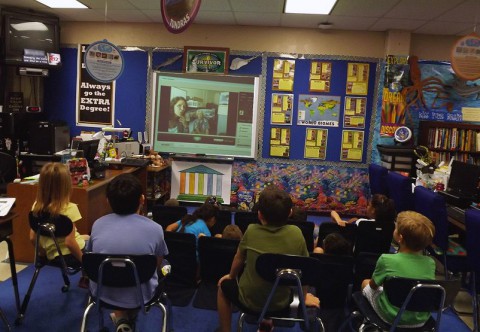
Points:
[(91, 201)]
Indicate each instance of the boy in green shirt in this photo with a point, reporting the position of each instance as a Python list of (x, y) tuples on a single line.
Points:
[(413, 232), (273, 235)]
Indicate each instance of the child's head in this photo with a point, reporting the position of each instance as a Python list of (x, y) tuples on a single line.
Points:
[(298, 214), (275, 206), (382, 209), (54, 188), (232, 232), (416, 230), (336, 244), (172, 202), (124, 193)]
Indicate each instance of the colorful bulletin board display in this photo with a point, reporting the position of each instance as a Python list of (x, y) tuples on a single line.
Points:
[(283, 75), (316, 143), (280, 142), (320, 76), (352, 145), (357, 78), (318, 110), (282, 109), (354, 112)]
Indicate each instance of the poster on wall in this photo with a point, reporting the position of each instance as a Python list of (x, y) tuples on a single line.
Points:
[(320, 76), (280, 142), (318, 110), (316, 143), (195, 181), (103, 61), (357, 78), (282, 109), (466, 57), (393, 102), (355, 109), (95, 100), (352, 145), (283, 75)]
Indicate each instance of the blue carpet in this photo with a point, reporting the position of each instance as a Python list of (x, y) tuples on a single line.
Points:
[(51, 310)]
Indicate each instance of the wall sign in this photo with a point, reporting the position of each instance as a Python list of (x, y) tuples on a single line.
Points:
[(103, 61), (95, 100), (208, 60), (466, 57), (15, 102), (179, 15)]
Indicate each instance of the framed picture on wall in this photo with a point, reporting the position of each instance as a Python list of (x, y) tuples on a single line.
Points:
[(207, 60)]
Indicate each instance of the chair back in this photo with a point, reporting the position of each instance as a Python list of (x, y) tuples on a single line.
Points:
[(223, 218), (377, 176), (307, 228), (165, 215), (46, 225), (373, 237), (244, 218), (215, 256), (400, 190), (119, 270), (182, 248), (433, 206), (349, 231), (472, 243), (364, 265)]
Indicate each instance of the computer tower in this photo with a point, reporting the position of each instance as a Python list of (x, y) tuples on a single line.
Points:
[(46, 138)]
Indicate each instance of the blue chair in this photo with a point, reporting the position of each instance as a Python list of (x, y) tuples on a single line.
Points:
[(400, 190), (472, 230), (377, 177), (433, 206)]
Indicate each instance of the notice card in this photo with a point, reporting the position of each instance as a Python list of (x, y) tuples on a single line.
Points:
[(6, 204)]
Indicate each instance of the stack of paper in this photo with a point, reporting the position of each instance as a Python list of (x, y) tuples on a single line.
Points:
[(6, 204)]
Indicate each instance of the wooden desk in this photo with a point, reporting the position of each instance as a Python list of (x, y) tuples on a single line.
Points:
[(91, 201)]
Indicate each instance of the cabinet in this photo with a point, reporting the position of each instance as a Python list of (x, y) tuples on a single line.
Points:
[(398, 158), (447, 140), (158, 184)]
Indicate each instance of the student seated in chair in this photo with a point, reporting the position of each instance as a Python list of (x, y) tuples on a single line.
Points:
[(122, 232), (413, 232), (197, 223), (272, 235), (53, 199), (334, 244)]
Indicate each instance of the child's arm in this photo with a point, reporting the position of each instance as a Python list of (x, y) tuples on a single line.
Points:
[(336, 218), (310, 299), (373, 285), (72, 245), (237, 266), (172, 227)]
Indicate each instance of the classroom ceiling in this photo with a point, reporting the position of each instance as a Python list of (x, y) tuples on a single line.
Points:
[(440, 17)]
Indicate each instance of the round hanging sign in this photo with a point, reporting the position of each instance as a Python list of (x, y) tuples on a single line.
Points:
[(178, 15), (103, 61), (466, 57)]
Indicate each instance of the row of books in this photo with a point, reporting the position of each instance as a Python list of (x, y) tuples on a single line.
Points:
[(454, 139), (447, 156)]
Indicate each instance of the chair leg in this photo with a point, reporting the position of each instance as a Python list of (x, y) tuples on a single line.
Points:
[(475, 314), (4, 319), (26, 299), (85, 314), (169, 312), (13, 271)]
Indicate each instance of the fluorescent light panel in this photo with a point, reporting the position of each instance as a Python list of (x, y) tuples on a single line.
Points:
[(62, 3), (323, 7)]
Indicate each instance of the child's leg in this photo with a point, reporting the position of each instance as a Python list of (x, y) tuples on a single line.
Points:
[(224, 311)]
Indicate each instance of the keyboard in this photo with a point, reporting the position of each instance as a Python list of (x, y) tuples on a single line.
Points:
[(135, 162)]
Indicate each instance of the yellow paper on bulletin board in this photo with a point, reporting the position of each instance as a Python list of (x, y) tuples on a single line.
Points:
[(278, 118), (279, 151), (312, 152), (317, 85), (285, 84), (354, 154), (357, 120)]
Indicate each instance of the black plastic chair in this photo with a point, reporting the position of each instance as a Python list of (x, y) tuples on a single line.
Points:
[(307, 228), (223, 218), (166, 215), (289, 270), (349, 231), (373, 237), (244, 218), (215, 256), (8, 171), (363, 268), (54, 228), (407, 294), (123, 271), (181, 283)]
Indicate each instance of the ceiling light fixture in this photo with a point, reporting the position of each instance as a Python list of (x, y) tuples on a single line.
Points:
[(63, 4), (323, 7), (325, 25)]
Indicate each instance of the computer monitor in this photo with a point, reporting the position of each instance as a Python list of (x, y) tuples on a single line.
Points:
[(464, 179), (89, 148)]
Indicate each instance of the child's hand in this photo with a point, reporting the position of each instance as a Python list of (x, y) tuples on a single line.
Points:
[(225, 277), (312, 301)]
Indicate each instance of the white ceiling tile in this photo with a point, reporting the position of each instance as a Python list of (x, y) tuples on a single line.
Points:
[(467, 11), (364, 8), (443, 28), (258, 6), (145, 4), (215, 5), (385, 24), (225, 18), (110, 4), (259, 19), (421, 9)]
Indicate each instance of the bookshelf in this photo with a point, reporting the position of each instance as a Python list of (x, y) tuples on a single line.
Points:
[(447, 140)]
